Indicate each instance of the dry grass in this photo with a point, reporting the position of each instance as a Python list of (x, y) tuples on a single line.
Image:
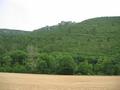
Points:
[(12, 81)]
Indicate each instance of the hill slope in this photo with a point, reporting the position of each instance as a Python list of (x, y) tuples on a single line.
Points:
[(97, 38)]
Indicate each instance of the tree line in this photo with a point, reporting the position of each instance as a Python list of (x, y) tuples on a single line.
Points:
[(57, 63)]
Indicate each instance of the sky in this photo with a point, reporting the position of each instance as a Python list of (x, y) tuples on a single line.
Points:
[(33, 14)]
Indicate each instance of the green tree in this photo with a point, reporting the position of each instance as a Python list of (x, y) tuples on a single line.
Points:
[(32, 56), (42, 66), (116, 64), (66, 65), (46, 61), (78, 58), (6, 60), (85, 68), (18, 57), (19, 68), (108, 67)]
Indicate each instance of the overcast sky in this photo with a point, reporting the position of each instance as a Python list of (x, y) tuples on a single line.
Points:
[(33, 14)]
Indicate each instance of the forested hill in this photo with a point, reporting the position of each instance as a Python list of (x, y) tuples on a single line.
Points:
[(88, 45), (98, 36)]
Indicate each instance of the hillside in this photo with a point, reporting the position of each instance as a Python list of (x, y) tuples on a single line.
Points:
[(98, 36), (93, 41)]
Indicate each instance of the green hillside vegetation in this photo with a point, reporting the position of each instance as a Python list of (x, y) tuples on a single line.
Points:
[(91, 47)]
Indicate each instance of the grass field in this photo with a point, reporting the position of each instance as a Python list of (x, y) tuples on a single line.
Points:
[(12, 81)]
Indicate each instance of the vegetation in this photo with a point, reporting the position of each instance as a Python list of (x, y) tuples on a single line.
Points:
[(91, 47)]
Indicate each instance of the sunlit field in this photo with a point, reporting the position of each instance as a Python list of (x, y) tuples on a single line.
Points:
[(12, 81)]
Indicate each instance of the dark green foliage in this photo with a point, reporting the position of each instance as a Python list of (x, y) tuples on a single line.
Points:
[(42, 66), (46, 63), (6, 61), (90, 47), (19, 68), (18, 57), (66, 65), (84, 68)]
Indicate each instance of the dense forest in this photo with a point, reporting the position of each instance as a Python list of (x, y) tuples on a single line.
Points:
[(91, 47)]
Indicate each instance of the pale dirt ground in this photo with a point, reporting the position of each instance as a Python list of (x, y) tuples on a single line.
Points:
[(12, 81)]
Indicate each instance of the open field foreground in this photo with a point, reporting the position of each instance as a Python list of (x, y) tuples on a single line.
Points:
[(12, 81)]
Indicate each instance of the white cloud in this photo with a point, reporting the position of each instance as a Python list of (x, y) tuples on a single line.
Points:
[(32, 14)]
